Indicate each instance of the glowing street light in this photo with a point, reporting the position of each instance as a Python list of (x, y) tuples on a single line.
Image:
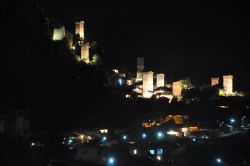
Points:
[(33, 144), (111, 161), (219, 160), (160, 135), (232, 120), (104, 138), (124, 137), (120, 81), (144, 135)]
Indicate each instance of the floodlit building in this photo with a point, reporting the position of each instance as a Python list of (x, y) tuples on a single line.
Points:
[(215, 81), (148, 84), (228, 84), (80, 29), (140, 68), (177, 89), (160, 80), (59, 33), (85, 52)]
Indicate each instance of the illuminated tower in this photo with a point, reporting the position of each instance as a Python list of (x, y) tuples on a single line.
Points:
[(177, 89), (80, 29), (215, 81), (59, 33), (148, 84), (140, 68), (160, 80), (85, 52), (228, 84)]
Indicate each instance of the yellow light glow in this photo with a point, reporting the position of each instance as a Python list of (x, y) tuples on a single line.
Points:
[(135, 151), (129, 82), (223, 106), (194, 128), (178, 119), (104, 131), (127, 96), (158, 157), (221, 92), (184, 129), (115, 70), (171, 132)]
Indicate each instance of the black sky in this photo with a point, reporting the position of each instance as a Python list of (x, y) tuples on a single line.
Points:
[(180, 38)]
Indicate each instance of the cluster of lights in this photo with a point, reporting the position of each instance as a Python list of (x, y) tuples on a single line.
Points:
[(171, 132), (104, 131)]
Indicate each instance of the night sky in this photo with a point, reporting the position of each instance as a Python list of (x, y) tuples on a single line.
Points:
[(180, 38)]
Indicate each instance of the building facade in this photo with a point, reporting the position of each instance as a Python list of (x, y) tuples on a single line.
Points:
[(160, 80), (85, 52), (177, 89), (80, 29), (59, 33), (215, 81), (228, 84), (148, 84)]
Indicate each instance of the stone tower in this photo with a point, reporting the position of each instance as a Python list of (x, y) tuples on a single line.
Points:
[(160, 80), (215, 81), (80, 29), (177, 89), (85, 52), (140, 68), (59, 33), (148, 84), (228, 84)]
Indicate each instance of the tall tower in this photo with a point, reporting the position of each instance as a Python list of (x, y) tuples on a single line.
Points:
[(59, 33), (215, 81), (228, 84), (148, 84), (80, 29), (177, 89), (160, 80), (140, 68), (85, 52)]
